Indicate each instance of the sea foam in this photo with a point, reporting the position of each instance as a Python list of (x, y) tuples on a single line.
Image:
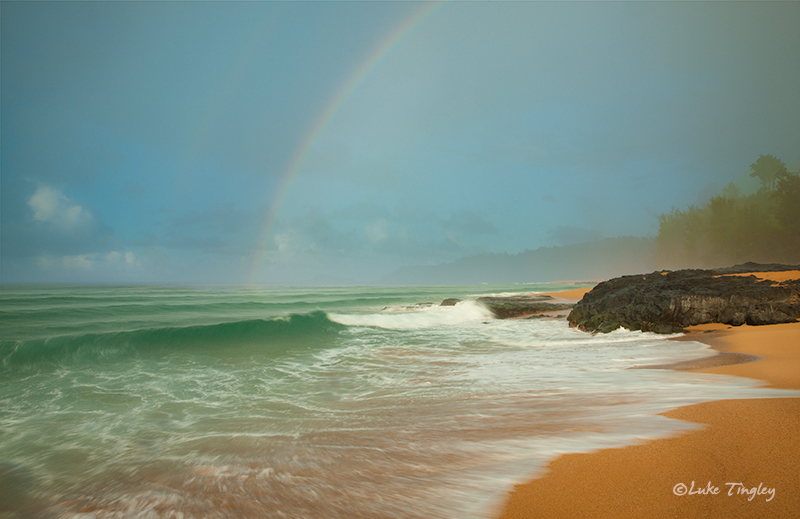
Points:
[(157, 403), (416, 316)]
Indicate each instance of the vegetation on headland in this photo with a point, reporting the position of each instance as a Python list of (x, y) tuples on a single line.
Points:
[(732, 228), (735, 227)]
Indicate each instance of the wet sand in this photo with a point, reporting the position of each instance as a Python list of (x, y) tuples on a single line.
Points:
[(744, 463)]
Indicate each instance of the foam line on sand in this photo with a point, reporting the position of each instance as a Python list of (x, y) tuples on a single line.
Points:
[(743, 464)]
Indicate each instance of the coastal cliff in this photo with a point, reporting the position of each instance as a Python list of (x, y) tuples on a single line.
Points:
[(667, 302)]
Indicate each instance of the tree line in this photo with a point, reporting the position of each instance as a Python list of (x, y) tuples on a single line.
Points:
[(732, 228)]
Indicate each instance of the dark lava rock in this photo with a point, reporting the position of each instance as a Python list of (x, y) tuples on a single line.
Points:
[(450, 302), (666, 302), (519, 306)]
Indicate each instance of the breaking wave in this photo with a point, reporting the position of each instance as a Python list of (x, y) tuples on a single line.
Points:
[(417, 316)]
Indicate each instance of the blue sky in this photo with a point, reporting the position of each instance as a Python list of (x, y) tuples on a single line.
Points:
[(149, 141)]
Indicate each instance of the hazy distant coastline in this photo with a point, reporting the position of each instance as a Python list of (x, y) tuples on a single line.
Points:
[(597, 260)]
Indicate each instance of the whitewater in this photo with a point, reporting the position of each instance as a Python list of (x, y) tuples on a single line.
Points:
[(354, 402)]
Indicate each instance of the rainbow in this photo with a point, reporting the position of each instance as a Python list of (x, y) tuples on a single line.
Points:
[(323, 120)]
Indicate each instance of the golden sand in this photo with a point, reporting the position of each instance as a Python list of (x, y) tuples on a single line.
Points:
[(573, 296), (778, 277), (749, 452)]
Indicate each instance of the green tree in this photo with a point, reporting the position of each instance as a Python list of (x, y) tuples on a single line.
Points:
[(762, 227), (682, 238), (787, 212), (731, 191), (768, 169)]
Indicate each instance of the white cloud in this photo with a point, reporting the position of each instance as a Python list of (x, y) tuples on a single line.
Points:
[(79, 262), (114, 261), (50, 205), (76, 215), (44, 203), (130, 259)]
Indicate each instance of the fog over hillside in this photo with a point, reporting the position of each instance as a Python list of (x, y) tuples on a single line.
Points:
[(597, 260)]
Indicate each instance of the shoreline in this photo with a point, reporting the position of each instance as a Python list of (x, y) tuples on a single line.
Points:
[(749, 441), (568, 296)]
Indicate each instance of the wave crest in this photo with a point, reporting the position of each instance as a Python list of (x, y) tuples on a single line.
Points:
[(416, 317), (268, 336)]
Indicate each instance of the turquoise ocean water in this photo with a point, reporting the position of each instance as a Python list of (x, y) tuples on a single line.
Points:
[(169, 402)]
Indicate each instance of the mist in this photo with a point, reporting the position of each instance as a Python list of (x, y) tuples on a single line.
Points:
[(338, 142)]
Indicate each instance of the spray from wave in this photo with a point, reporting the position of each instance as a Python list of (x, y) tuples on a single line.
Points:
[(416, 317)]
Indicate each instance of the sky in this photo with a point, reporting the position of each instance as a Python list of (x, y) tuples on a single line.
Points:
[(291, 142)]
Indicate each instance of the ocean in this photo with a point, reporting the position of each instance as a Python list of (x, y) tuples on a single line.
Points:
[(356, 402)]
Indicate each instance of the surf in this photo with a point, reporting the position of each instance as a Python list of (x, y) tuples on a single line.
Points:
[(415, 317), (268, 337)]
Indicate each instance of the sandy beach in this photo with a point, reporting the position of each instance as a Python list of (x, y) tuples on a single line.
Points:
[(568, 296), (742, 464)]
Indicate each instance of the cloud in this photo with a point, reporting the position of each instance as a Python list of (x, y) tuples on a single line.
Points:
[(40, 220), (50, 205), (114, 261), (44, 203), (128, 259), (79, 262)]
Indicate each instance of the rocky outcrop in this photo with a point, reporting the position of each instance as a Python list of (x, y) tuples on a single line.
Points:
[(667, 302), (509, 307)]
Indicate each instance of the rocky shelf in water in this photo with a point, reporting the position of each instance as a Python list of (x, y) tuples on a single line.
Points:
[(516, 307), (667, 302)]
